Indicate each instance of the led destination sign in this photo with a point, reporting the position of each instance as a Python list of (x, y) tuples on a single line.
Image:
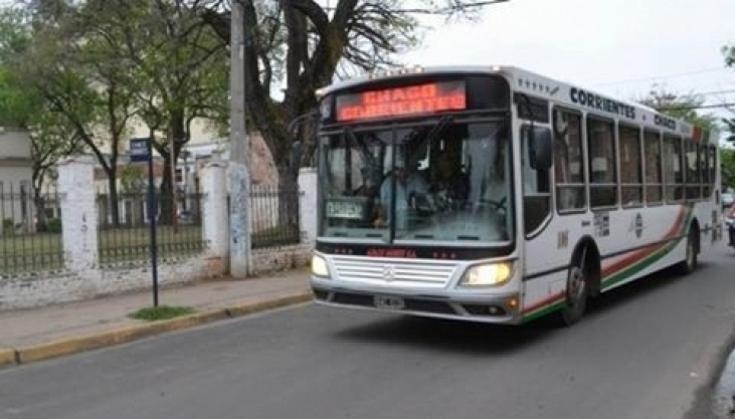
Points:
[(402, 101)]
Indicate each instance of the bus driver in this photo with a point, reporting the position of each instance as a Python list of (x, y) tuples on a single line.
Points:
[(410, 186)]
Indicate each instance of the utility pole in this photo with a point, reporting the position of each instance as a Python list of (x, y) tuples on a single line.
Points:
[(239, 149)]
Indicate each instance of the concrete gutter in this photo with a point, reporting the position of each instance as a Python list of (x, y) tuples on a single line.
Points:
[(27, 354)]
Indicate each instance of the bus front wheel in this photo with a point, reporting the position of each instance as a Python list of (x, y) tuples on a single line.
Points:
[(576, 293)]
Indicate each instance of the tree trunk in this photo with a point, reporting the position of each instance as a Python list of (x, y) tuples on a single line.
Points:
[(112, 197), (288, 198), (177, 136), (166, 196), (40, 204)]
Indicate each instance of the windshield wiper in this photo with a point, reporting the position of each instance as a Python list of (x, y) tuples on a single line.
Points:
[(432, 133)]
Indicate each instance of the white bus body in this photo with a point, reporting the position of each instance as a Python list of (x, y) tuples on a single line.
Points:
[(589, 223)]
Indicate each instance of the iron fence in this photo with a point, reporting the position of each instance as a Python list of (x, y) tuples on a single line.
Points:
[(30, 230), (274, 216), (124, 232)]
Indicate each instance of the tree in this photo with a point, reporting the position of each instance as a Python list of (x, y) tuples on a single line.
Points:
[(179, 64), (679, 106), (52, 137), (64, 67), (729, 53), (303, 45), (727, 166)]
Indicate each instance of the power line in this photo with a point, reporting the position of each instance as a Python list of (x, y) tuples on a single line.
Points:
[(458, 7), (691, 108), (714, 92), (670, 76)]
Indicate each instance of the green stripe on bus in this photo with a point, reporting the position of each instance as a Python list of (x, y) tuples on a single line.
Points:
[(639, 266), (554, 306), (647, 261)]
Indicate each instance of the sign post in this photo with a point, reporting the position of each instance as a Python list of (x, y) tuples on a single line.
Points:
[(141, 150)]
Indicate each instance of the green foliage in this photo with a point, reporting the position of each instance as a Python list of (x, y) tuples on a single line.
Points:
[(132, 180), (679, 106), (729, 53), (727, 167), (54, 225), (8, 227), (161, 313)]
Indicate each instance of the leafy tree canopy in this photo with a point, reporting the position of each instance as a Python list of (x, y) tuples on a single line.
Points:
[(678, 106)]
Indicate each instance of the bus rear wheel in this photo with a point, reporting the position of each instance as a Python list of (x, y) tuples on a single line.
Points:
[(689, 264), (576, 294)]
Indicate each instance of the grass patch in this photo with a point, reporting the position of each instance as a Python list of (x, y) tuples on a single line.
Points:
[(160, 313)]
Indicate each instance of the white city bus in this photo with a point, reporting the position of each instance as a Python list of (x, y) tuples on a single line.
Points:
[(494, 194)]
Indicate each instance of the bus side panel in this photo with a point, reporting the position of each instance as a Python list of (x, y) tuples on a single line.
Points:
[(547, 264), (654, 238)]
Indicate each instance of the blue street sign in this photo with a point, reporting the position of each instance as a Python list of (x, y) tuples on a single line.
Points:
[(139, 150)]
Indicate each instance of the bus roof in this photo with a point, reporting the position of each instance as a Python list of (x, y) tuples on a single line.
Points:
[(558, 92)]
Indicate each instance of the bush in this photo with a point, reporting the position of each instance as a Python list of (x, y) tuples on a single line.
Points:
[(8, 227), (54, 225)]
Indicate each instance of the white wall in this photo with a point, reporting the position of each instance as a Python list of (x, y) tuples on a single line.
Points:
[(14, 144)]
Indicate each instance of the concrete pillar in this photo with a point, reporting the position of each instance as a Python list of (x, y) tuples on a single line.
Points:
[(214, 215), (307, 205), (240, 249), (78, 213)]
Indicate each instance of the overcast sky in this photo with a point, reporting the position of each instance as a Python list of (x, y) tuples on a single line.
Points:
[(617, 47)]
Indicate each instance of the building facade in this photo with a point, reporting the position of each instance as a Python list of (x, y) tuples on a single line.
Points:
[(16, 173)]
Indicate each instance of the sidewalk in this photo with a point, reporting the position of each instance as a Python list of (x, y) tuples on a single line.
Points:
[(87, 319)]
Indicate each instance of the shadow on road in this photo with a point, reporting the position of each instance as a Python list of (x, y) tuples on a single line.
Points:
[(638, 289), (473, 338)]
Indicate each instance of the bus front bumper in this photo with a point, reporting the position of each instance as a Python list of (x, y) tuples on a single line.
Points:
[(445, 304)]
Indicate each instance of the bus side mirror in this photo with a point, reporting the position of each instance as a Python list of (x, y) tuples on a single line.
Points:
[(540, 149)]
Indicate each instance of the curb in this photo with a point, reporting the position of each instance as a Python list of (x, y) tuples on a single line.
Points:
[(24, 355), (7, 356)]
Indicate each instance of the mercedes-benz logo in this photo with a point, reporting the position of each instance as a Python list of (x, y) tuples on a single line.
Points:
[(389, 273)]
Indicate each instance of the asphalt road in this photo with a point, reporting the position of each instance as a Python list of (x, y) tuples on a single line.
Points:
[(643, 352)]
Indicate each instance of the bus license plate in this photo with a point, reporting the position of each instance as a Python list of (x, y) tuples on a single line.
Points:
[(389, 303)]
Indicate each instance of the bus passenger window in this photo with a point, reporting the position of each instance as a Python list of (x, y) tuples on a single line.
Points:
[(673, 169), (569, 176), (631, 173), (703, 170), (693, 189), (603, 177), (536, 186), (654, 185)]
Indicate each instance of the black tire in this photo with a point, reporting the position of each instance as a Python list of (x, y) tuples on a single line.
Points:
[(577, 292), (690, 262)]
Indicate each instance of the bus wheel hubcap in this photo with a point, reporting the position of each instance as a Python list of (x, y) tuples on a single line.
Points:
[(576, 286)]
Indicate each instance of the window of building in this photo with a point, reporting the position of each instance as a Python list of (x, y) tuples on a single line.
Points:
[(601, 157), (568, 166), (631, 170), (673, 169), (654, 185)]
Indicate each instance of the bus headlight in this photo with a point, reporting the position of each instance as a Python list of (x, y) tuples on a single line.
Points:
[(489, 274), (319, 266)]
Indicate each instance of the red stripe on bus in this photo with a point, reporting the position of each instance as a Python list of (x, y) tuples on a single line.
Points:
[(643, 253), (546, 301)]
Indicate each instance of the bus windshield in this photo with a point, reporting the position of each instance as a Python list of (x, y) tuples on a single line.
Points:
[(446, 181)]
